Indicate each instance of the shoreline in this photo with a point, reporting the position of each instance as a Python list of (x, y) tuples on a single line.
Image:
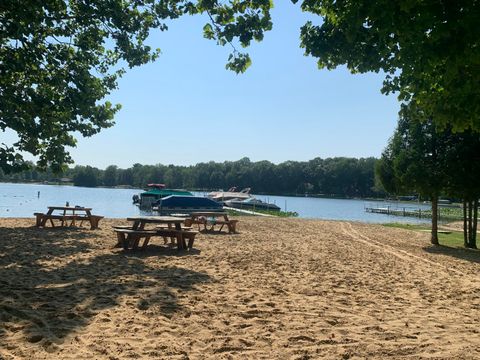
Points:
[(128, 187)]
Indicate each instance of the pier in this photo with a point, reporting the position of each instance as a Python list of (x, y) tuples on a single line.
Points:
[(444, 213), (399, 211)]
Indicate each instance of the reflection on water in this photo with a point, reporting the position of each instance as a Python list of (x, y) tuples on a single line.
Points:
[(21, 200)]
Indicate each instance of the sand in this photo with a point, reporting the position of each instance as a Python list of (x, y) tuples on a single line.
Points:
[(280, 289)]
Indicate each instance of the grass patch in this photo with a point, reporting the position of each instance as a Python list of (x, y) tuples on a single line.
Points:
[(454, 239), (408, 226)]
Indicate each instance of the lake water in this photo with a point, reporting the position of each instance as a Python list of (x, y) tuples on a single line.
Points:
[(22, 200)]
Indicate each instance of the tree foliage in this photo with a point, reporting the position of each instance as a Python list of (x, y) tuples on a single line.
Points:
[(414, 160), (86, 176), (429, 50), (463, 165), (59, 59), (422, 159)]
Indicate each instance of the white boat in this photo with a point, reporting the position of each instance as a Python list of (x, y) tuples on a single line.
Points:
[(252, 204), (230, 194)]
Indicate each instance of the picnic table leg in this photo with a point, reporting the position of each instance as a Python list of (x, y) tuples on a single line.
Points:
[(179, 236), (135, 240), (212, 228), (45, 218), (43, 222), (92, 219), (73, 223), (205, 223), (172, 238), (191, 239), (72, 219), (94, 222), (39, 219), (180, 241), (145, 242), (122, 241)]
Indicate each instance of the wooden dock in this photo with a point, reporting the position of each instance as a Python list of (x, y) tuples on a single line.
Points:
[(399, 211)]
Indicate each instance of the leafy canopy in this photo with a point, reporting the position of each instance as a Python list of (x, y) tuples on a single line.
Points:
[(415, 157), (60, 59), (430, 50)]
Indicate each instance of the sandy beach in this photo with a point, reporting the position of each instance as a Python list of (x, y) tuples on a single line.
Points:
[(279, 289)]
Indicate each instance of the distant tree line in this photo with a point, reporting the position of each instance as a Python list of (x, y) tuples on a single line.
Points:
[(335, 177)]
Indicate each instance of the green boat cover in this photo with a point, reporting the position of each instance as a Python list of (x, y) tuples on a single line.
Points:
[(160, 193)]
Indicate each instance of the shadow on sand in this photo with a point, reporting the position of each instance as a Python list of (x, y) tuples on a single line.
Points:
[(470, 255), (54, 281)]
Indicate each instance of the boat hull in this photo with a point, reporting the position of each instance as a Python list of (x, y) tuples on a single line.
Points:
[(147, 199), (185, 205), (251, 206)]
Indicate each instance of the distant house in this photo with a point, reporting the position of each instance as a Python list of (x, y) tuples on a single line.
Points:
[(65, 180)]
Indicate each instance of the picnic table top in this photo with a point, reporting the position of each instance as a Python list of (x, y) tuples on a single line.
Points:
[(69, 208), (156, 219), (209, 213)]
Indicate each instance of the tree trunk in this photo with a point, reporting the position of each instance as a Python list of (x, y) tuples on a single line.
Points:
[(434, 239), (470, 222), (465, 228), (473, 235)]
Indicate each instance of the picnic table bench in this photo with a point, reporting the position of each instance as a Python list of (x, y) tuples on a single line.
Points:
[(72, 214), (129, 237), (209, 219)]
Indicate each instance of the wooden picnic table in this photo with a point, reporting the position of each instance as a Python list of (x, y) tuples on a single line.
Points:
[(209, 219), (68, 213), (129, 237), (139, 222)]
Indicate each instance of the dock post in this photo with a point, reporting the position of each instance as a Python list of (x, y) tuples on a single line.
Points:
[(403, 211)]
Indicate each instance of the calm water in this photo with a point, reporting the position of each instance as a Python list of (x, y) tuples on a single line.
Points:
[(21, 200)]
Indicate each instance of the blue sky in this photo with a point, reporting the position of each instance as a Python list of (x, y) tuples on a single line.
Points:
[(187, 108)]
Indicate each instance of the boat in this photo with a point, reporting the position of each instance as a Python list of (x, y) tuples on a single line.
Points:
[(156, 192), (231, 194), (251, 204), (185, 204)]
